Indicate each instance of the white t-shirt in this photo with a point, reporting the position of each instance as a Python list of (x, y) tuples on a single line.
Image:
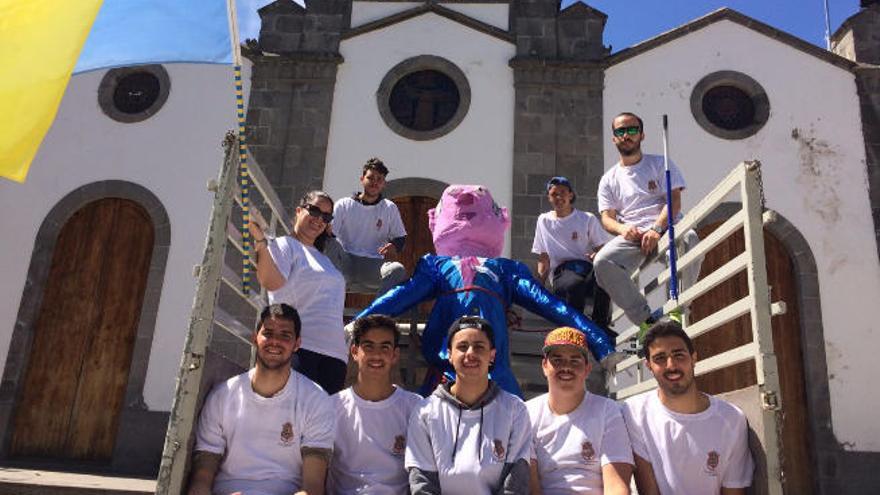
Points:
[(691, 454), (370, 443), (638, 192), (316, 289), (261, 437), (568, 238), (362, 229), (572, 448), (478, 458)]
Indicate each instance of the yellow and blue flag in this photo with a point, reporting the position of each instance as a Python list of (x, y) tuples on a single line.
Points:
[(43, 40)]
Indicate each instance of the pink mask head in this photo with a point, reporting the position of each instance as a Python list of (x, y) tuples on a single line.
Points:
[(467, 222)]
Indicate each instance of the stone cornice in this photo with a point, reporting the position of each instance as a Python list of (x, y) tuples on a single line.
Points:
[(426, 8)]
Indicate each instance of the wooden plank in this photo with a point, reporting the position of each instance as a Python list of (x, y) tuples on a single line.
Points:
[(107, 360), (62, 330), (175, 454), (233, 281), (726, 359), (231, 324), (269, 195)]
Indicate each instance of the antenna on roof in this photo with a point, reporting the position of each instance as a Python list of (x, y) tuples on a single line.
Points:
[(827, 27)]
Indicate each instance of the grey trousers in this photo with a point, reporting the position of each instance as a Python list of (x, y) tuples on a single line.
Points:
[(363, 274), (617, 259)]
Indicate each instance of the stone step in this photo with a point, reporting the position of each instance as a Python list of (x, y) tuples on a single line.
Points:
[(14, 481)]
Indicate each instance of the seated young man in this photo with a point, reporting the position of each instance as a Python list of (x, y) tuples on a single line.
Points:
[(269, 430), (372, 416), (580, 440), (685, 441)]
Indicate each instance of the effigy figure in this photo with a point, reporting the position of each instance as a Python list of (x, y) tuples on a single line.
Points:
[(467, 276)]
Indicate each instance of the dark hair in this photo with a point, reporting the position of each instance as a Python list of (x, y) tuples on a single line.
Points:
[(367, 323), (307, 199), (375, 165), (562, 181), (629, 114), (470, 322), (282, 312), (665, 328)]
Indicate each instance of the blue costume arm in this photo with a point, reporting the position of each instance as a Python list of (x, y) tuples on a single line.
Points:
[(421, 286), (531, 295)]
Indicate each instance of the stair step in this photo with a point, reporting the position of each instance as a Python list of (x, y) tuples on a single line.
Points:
[(34, 482)]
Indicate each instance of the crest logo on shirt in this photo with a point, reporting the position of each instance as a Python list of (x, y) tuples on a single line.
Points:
[(286, 434), (712, 461), (399, 445), (498, 450), (652, 186), (574, 236), (587, 452), (378, 224)]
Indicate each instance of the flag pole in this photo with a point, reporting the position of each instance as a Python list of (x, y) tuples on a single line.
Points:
[(670, 218), (827, 27), (244, 176)]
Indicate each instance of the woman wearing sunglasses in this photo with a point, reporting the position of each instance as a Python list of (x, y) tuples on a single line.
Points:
[(295, 271)]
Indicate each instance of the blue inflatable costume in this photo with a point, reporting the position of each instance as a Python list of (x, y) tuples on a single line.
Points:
[(468, 278)]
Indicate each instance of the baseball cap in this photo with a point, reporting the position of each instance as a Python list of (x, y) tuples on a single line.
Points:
[(561, 181), (471, 322), (565, 336)]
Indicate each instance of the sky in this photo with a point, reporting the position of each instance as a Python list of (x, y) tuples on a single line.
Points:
[(633, 21)]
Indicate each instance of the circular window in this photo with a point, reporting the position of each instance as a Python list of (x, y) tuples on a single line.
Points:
[(133, 94), (424, 97), (730, 105)]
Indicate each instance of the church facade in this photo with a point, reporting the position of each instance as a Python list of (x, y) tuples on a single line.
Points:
[(503, 93)]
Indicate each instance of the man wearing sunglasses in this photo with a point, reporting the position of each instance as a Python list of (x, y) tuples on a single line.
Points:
[(632, 203), (369, 230)]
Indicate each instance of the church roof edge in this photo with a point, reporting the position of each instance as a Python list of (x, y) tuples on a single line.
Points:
[(741, 19), (425, 9)]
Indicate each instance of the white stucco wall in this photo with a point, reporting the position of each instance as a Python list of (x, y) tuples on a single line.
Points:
[(364, 12), (816, 180), (172, 154), (495, 14), (478, 151)]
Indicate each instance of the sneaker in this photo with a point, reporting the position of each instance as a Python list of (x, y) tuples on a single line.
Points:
[(676, 315)]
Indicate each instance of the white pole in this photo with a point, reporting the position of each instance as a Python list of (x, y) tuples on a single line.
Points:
[(827, 27), (233, 32)]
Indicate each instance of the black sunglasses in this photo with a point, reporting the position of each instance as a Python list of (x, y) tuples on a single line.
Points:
[(317, 213), (631, 130)]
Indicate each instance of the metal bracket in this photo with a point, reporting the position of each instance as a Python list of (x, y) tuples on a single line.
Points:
[(769, 401)]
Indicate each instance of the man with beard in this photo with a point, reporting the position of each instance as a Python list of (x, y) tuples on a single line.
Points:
[(684, 441), (632, 203), (580, 440), (369, 230), (269, 430), (372, 415)]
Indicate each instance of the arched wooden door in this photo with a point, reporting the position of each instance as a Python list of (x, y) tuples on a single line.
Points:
[(797, 462), (84, 334), (414, 213)]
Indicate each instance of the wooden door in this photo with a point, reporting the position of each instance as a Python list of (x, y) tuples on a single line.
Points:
[(797, 459), (84, 334), (419, 242), (414, 214)]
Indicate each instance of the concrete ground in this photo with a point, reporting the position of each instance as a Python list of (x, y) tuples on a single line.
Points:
[(15, 481)]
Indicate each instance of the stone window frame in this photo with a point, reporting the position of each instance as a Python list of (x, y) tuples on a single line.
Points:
[(21, 341), (742, 82), (419, 63), (110, 81)]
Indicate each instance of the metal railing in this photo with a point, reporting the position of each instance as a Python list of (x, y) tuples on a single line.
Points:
[(222, 315), (742, 185)]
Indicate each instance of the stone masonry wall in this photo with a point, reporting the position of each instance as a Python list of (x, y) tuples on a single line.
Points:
[(559, 78), (294, 76)]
